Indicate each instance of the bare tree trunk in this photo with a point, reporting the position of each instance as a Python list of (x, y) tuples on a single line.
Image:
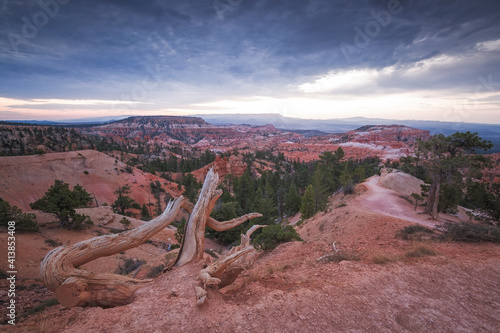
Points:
[(76, 287), (433, 198), (193, 244), (225, 225), (225, 270), (435, 213)]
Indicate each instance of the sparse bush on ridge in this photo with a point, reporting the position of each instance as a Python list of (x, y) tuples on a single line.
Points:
[(155, 271), (452, 231), (348, 189), (415, 231), (469, 232), (41, 307), (128, 266), (62, 202), (273, 235), (404, 197), (25, 222), (125, 222), (52, 242), (179, 234), (123, 203)]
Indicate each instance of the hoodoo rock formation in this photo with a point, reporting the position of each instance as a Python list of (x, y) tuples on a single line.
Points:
[(167, 128), (224, 166)]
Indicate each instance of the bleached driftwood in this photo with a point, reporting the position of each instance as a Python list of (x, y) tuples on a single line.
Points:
[(77, 287), (335, 251), (193, 243), (224, 271)]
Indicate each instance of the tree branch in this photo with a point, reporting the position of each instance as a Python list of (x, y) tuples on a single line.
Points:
[(77, 287)]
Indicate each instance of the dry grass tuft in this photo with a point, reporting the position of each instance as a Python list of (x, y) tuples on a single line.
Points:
[(420, 250), (381, 258), (341, 256)]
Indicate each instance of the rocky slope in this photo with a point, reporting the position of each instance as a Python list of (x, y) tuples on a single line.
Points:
[(384, 133), (384, 141), (387, 289), (189, 130), (25, 179), (231, 165), (194, 134), (166, 128)]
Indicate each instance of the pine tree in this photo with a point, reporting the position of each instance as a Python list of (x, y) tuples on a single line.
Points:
[(145, 216), (24, 221), (264, 204), (292, 200), (308, 203), (303, 178), (346, 179), (245, 192), (320, 189), (157, 190), (191, 187), (445, 157), (227, 211), (124, 202), (61, 201)]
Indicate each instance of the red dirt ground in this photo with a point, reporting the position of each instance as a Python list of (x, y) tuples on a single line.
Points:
[(25, 179), (289, 290)]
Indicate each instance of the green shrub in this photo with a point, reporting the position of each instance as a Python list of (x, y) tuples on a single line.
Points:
[(125, 222), (273, 235), (468, 232), (179, 234), (52, 242), (404, 197), (25, 222), (155, 271), (62, 202), (41, 307), (348, 188), (128, 266), (415, 231), (79, 222), (225, 212)]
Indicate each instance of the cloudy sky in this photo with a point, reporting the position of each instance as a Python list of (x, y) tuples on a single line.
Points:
[(425, 59)]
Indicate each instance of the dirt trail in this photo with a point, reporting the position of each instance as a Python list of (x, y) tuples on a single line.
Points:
[(289, 290), (388, 202)]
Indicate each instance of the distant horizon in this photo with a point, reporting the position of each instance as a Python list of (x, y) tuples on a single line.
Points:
[(120, 117)]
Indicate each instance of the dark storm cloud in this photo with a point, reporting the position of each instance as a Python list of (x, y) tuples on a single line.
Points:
[(100, 49)]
